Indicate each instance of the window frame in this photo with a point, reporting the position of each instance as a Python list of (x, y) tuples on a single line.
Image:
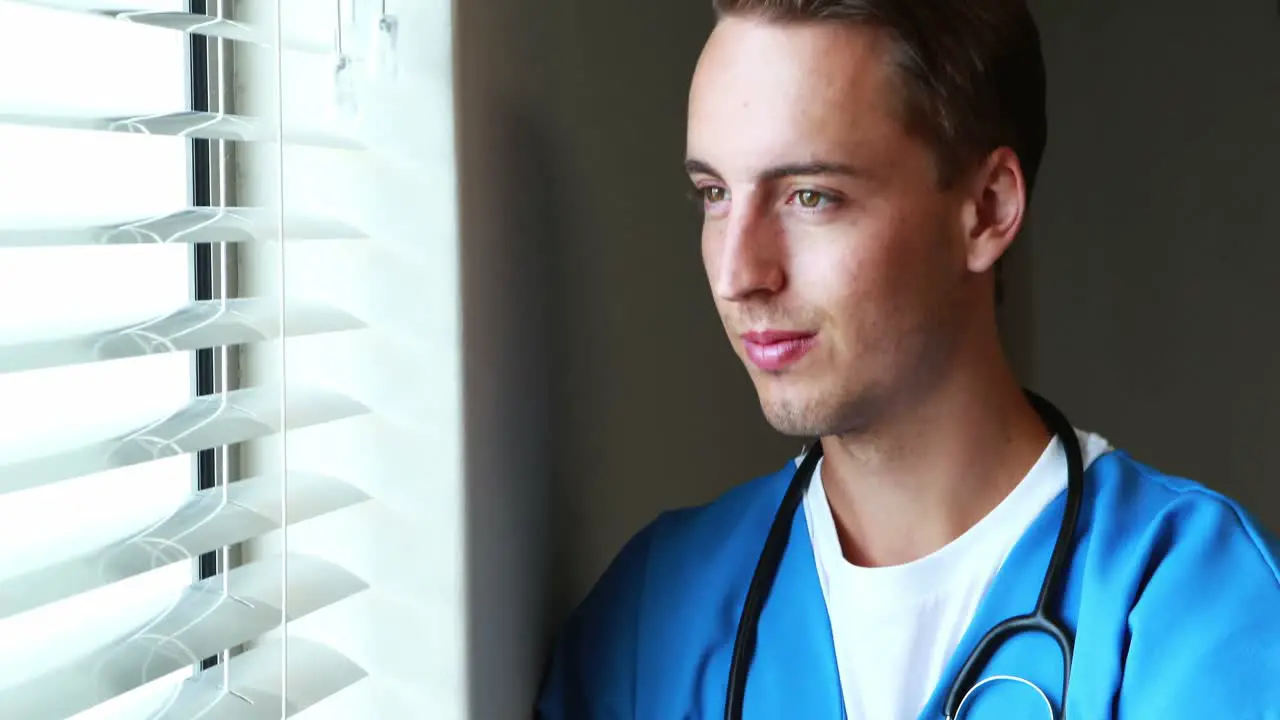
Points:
[(213, 266)]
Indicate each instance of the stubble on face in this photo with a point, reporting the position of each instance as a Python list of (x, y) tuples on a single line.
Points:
[(872, 275)]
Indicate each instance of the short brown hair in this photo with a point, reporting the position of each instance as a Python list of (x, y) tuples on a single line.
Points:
[(973, 73)]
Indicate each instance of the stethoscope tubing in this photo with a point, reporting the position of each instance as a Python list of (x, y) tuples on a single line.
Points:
[(1038, 620)]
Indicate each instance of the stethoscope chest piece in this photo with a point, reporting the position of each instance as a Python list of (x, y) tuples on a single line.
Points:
[(1048, 705)]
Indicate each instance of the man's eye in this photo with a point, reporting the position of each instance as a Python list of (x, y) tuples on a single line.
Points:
[(809, 199), (714, 194)]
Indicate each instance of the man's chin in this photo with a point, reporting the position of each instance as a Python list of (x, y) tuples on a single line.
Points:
[(793, 416)]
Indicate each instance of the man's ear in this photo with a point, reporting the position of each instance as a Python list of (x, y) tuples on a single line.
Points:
[(998, 202)]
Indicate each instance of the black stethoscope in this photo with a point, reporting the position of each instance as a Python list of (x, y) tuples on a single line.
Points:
[(1038, 620)]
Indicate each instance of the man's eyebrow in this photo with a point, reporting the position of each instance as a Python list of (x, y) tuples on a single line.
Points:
[(695, 166), (811, 168)]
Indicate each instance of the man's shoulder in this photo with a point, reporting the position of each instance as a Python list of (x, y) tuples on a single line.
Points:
[(678, 567), (683, 548), (723, 521), (1202, 576), (1175, 517)]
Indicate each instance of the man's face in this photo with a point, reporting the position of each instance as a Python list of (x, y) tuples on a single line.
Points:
[(835, 258)]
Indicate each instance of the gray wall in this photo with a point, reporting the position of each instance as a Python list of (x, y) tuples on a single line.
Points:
[(600, 389), (653, 409), (1151, 272)]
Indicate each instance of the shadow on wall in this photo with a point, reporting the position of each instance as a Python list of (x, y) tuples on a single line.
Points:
[(511, 239), (655, 410), (599, 386)]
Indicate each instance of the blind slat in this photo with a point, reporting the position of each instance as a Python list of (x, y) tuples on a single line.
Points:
[(187, 123), (316, 672), (203, 622), (203, 524), (190, 23), (206, 422), (188, 226), (106, 594), (206, 324)]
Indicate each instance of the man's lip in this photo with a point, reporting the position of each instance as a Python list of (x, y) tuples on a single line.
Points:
[(774, 350), (770, 337)]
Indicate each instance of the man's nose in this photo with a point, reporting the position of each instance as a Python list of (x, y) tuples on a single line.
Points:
[(750, 258)]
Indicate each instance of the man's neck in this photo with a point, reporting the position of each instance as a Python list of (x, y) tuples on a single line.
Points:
[(929, 470)]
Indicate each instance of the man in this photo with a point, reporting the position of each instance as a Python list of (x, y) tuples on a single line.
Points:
[(863, 165)]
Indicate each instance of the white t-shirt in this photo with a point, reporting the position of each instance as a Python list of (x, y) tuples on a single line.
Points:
[(895, 628)]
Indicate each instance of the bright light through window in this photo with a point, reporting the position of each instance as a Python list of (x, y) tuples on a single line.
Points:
[(68, 61)]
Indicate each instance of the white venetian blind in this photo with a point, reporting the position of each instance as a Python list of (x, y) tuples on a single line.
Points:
[(104, 612)]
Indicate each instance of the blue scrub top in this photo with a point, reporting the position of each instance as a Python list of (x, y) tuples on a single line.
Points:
[(1173, 596)]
